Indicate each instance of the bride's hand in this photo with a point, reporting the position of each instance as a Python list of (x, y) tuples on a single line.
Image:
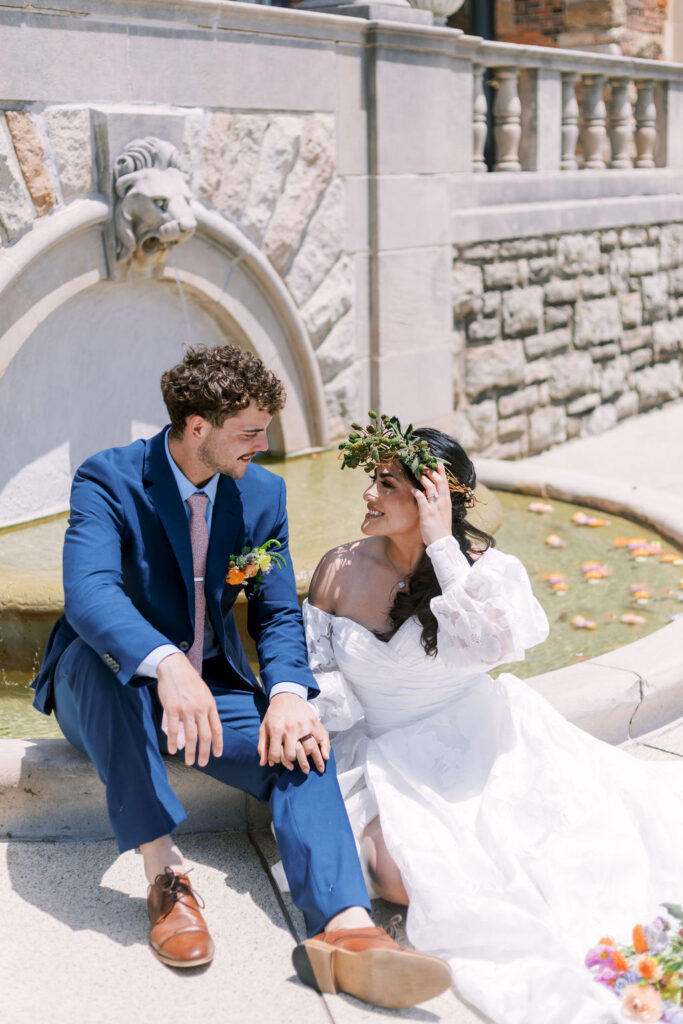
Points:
[(434, 505)]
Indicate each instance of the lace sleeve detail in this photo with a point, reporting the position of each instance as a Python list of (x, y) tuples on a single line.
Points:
[(486, 613), (336, 705)]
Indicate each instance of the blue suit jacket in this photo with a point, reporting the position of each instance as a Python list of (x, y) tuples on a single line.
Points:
[(128, 579)]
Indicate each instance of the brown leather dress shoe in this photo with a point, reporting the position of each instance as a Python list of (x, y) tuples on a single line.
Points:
[(177, 931), (368, 964)]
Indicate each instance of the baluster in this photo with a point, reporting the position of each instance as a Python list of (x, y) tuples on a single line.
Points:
[(570, 121), (620, 123), (646, 123), (594, 133), (507, 120), (479, 125)]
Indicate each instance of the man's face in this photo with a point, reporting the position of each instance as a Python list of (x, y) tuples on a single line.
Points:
[(229, 449)]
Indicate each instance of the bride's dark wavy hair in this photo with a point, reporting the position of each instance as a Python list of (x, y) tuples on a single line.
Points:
[(422, 584)]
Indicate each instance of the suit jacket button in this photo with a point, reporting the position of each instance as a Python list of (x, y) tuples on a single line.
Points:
[(183, 645), (115, 665)]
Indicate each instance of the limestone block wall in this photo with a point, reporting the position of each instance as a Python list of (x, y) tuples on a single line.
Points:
[(271, 174), (560, 336)]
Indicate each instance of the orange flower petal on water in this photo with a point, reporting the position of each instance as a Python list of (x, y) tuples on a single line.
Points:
[(641, 552), (669, 558), (560, 586), (639, 940), (579, 622), (620, 542), (642, 595), (636, 542)]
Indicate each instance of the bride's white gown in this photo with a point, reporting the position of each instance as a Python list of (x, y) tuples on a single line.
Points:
[(521, 840)]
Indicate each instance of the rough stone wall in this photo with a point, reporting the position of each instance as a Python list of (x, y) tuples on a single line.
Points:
[(562, 336), (632, 27), (272, 174)]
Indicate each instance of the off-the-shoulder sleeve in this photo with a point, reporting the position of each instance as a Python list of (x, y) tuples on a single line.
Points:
[(336, 705), (487, 613)]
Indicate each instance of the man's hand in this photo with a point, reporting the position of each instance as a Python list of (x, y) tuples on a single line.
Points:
[(186, 698), (292, 732)]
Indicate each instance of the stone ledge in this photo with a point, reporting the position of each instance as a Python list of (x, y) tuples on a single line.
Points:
[(49, 790)]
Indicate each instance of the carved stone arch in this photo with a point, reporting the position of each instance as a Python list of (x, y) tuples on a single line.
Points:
[(57, 273), (232, 275)]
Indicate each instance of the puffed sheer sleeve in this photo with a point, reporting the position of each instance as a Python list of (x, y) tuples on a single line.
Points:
[(486, 612), (336, 705)]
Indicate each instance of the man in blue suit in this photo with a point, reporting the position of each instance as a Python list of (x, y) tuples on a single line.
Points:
[(147, 660)]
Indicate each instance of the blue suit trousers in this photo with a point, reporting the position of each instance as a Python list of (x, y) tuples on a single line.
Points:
[(118, 728)]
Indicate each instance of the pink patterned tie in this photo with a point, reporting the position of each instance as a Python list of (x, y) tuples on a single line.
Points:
[(199, 540)]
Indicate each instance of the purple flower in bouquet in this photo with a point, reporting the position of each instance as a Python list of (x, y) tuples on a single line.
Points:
[(606, 975), (656, 935), (629, 978), (600, 955)]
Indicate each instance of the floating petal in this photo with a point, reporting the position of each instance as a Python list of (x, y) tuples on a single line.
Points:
[(579, 622), (539, 507), (553, 541)]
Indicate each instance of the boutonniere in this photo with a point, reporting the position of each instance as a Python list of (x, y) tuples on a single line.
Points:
[(254, 563)]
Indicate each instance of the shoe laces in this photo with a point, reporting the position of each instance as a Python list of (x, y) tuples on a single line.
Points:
[(176, 888), (392, 925)]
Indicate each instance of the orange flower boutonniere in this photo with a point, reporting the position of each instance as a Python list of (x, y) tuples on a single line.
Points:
[(254, 563)]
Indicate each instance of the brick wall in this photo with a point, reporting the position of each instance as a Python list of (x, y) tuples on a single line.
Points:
[(633, 27), (533, 22)]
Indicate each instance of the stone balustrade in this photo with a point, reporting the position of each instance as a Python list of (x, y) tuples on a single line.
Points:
[(550, 109)]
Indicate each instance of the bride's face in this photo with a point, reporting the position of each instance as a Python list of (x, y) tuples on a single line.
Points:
[(392, 509)]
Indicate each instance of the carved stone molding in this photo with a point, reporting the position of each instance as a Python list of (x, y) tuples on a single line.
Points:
[(152, 211)]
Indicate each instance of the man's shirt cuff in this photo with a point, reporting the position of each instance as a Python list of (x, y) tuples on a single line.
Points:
[(149, 665), (296, 688)]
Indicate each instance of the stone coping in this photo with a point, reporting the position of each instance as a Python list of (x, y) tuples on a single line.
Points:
[(49, 790)]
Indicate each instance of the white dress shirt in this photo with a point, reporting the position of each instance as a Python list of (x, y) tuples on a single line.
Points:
[(149, 666)]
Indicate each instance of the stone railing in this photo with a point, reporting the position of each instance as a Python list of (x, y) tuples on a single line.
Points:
[(566, 110)]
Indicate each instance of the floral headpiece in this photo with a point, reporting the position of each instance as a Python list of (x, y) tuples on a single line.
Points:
[(384, 440)]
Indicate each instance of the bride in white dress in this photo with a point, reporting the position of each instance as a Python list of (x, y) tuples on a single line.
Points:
[(516, 839)]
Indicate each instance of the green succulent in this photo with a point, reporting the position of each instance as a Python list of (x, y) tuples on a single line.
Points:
[(384, 440)]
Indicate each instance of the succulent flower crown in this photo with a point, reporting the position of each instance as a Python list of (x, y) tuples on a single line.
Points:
[(384, 440)]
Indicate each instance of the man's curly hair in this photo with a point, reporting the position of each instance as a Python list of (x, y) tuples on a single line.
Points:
[(217, 383)]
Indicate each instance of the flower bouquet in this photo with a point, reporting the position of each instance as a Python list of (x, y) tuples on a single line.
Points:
[(254, 563), (648, 974)]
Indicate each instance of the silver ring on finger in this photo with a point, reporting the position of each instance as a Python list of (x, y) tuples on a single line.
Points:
[(433, 497)]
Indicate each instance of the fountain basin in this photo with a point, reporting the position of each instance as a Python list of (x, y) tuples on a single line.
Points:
[(326, 508)]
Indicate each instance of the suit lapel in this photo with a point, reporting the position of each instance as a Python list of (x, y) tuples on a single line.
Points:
[(227, 536), (164, 495)]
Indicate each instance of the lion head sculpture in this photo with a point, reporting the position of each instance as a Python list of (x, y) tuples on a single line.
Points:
[(152, 210)]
